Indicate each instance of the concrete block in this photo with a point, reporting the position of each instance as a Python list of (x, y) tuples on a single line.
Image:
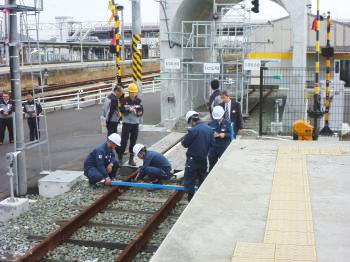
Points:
[(10, 210), (58, 182)]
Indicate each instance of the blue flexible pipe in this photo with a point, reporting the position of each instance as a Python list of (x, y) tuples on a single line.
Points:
[(146, 185)]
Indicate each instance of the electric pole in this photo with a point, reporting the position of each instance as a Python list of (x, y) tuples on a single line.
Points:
[(136, 45), (17, 97)]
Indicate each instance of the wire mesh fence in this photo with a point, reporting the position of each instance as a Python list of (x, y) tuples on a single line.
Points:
[(288, 94)]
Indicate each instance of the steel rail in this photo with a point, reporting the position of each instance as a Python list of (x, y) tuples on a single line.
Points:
[(64, 232), (129, 253)]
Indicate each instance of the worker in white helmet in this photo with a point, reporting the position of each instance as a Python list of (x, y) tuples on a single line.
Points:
[(101, 162), (221, 133), (198, 140), (155, 169)]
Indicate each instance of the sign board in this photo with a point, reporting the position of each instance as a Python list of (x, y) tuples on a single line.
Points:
[(211, 68), (252, 64), (173, 63), (139, 46)]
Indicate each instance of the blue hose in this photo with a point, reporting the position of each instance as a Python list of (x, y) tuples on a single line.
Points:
[(146, 185)]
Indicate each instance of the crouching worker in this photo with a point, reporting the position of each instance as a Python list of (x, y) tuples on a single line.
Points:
[(101, 162), (155, 166)]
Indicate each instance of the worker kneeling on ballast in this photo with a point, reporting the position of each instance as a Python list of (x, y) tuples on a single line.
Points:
[(155, 168), (101, 162)]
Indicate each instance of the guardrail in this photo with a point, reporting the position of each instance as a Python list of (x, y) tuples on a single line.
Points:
[(83, 98)]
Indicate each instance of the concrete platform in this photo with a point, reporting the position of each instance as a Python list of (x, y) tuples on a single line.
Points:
[(268, 201)]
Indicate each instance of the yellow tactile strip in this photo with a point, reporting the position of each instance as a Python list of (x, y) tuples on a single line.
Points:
[(289, 234)]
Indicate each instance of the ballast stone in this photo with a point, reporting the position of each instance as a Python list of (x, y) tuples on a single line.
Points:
[(58, 182)]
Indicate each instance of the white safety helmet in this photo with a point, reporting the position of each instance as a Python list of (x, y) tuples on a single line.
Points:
[(137, 148), (189, 114), (218, 112), (115, 139)]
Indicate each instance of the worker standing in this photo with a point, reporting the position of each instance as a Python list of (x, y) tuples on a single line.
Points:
[(215, 98), (221, 133), (198, 140), (6, 109), (101, 162), (133, 111), (155, 168), (32, 111), (233, 112), (111, 115)]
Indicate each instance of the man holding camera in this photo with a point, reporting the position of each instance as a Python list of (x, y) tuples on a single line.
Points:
[(133, 111)]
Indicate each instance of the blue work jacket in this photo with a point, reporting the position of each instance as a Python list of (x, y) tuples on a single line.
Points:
[(222, 127), (155, 159), (100, 157), (198, 140)]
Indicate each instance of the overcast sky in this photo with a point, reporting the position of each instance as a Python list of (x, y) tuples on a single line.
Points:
[(96, 10)]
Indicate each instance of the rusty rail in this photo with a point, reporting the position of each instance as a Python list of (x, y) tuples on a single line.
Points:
[(64, 232), (147, 231)]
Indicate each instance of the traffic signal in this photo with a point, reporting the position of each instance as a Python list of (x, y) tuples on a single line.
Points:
[(255, 7)]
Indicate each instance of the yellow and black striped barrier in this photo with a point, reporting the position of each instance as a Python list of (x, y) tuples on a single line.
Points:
[(136, 58)]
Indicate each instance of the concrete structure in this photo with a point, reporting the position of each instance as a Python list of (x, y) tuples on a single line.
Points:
[(290, 205), (58, 182), (11, 209), (171, 30)]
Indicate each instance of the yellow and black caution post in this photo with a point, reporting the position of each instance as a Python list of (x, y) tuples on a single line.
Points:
[(316, 112), (116, 39), (328, 52), (136, 58)]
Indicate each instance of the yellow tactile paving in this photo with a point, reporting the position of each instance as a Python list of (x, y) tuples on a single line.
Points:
[(252, 250), (289, 226), (289, 214), (243, 259), (290, 205), (289, 238), (295, 252), (289, 231)]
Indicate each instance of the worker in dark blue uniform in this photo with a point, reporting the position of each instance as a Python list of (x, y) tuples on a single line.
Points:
[(101, 162), (155, 168), (215, 98), (221, 133), (198, 140)]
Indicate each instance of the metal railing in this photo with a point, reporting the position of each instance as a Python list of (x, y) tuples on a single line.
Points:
[(83, 98)]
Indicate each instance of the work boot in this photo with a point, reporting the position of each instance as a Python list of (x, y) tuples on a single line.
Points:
[(131, 160)]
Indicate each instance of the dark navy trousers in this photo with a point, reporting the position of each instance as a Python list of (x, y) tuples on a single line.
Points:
[(195, 173), (153, 173), (94, 175), (131, 130), (214, 154)]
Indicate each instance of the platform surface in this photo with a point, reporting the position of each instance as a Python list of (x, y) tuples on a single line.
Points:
[(268, 201)]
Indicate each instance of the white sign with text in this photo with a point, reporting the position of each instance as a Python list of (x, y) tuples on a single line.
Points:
[(211, 68), (173, 63), (252, 64)]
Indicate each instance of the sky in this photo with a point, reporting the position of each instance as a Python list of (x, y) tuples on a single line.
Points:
[(96, 10)]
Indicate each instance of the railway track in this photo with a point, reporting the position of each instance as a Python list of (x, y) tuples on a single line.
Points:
[(116, 227)]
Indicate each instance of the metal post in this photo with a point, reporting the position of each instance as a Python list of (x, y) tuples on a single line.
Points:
[(316, 113), (136, 45), (326, 130), (261, 98), (81, 43), (16, 94), (6, 37)]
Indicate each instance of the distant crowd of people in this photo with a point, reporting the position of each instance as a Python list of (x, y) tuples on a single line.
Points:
[(31, 110), (205, 142)]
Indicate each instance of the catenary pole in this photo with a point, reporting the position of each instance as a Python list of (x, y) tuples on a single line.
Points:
[(136, 45), (17, 97)]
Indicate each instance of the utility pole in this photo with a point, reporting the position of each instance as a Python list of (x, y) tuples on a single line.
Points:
[(136, 44), (6, 34), (17, 97)]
